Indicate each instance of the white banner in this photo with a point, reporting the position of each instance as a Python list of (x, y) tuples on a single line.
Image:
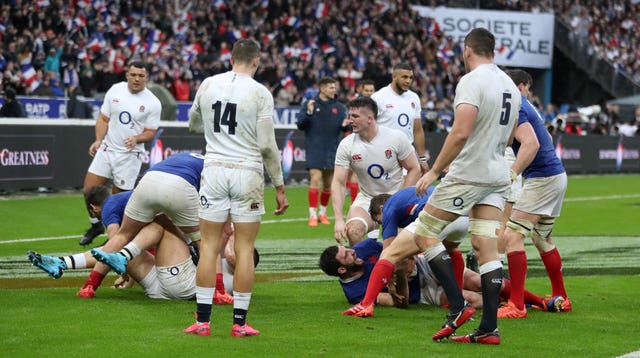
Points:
[(523, 39)]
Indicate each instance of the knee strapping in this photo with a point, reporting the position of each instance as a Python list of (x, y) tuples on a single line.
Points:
[(520, 226), (484, 228), (541, 231), (194, 236), (429, 225)]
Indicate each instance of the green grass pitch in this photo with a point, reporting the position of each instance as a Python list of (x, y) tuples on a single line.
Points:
[(297, 308)]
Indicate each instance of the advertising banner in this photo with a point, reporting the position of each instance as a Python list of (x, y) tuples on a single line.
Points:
[(54, 153), (523, 39)]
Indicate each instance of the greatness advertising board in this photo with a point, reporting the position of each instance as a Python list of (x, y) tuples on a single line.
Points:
[(523, 39)]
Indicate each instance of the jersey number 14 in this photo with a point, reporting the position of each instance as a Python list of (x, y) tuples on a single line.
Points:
[(227, 117)]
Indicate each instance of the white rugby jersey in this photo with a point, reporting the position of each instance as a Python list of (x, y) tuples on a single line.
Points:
[(376, 163), (397, 111), (498, 100), (129, 114), (231, 104)]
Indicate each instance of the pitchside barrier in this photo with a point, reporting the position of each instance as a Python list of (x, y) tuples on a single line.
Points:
[(53, 153)]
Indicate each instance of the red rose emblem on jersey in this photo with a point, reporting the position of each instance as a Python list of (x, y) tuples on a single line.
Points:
[(388, 153), (356, 157), (413, 105), (141, 109)]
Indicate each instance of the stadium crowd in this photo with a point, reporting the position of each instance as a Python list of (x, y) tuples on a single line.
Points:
[(51, 46)]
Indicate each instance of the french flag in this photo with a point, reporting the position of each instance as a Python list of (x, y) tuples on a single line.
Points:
[(327, 49), (236, 35), (269, 37), (305, 54), (291, 21), (79, 22), (96, 44), (82, 55), (42, 3), (28, 74), (132, 41), (264, 4), (155, 35), (220, 4), (382, 6), (286, 82), (322, 10)]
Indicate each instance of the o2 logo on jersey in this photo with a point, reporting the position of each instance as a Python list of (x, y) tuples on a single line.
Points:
[(458, 202), (204, 202), (403, 120), (376, 171), (125, 118)]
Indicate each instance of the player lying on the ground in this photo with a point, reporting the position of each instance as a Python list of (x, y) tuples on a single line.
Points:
[(177, 178), (354, 266), (169, 274)]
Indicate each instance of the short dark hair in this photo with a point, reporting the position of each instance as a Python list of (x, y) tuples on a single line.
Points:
[(10, 93), (402, 66), (364, 102), (326, 81), (481, 41), (96, 195), (376, 202), (367, 82), (328, 262), (244, 51), (138, 64), (520, 77)]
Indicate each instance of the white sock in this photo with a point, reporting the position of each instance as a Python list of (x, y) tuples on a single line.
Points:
[(241, 300), (94, 220), (323, 210), (77, 261), (204, 294), (131, 251), (374, 234), (312, 212)]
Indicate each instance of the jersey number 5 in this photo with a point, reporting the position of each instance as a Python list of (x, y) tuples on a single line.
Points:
[(506, 109), (228, 117)]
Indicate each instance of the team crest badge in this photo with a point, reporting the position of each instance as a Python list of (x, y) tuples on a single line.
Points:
[(413, 105), (388, 153), (334, 110), (141, 109)]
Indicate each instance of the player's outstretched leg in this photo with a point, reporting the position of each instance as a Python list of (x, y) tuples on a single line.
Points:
[(53, 266), (115, 260)]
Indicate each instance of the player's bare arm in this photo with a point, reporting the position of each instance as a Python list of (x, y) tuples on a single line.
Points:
[(338, 188), (419, 144), (102, 125), (410, 164)]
